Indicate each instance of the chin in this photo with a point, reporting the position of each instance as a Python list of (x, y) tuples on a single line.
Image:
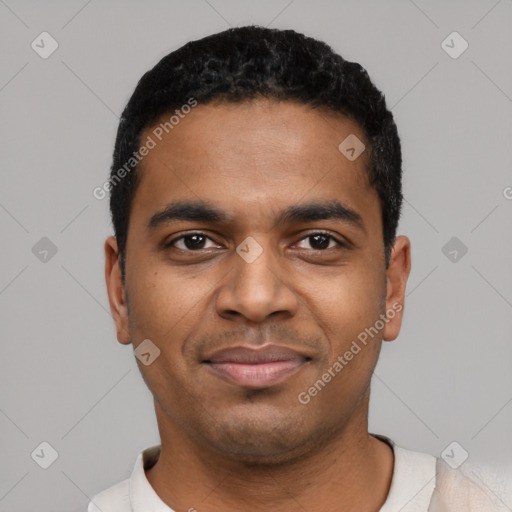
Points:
[(259, 442)]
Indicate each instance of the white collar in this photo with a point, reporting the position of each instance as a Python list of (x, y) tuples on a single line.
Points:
[(143, 497), (412, 485), (413, 481)]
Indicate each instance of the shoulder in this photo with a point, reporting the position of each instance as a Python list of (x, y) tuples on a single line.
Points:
[(114, 499), (471, 488)]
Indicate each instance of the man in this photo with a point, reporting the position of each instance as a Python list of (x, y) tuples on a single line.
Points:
[(255, 268)]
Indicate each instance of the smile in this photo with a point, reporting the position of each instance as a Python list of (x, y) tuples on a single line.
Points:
[(256, 368)]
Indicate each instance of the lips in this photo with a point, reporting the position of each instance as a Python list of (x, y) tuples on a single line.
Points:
[(256, 368)]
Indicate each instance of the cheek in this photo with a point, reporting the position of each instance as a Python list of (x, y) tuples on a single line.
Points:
[(346, 314), (348, 306), (163, 305), (348, 302)]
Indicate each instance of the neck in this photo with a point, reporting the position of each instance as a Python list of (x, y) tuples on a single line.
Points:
[(350, 473)]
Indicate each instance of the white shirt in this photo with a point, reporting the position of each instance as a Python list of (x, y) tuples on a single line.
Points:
[(420, 483)]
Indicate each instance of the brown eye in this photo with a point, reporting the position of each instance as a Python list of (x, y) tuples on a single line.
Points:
[(191, 242), (321, 241)]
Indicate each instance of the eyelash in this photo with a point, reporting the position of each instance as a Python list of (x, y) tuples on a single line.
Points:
[(328, 235)]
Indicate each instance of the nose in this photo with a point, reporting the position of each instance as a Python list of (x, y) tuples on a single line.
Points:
[(255, 290)]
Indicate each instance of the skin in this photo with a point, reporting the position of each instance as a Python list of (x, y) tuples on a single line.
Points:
[(227, 447)]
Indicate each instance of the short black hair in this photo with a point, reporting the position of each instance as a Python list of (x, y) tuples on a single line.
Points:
[(244, 63)]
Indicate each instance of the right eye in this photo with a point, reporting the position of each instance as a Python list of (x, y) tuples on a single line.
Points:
[(190, 242)]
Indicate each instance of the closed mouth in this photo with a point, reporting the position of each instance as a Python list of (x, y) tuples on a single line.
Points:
[(255, 368)]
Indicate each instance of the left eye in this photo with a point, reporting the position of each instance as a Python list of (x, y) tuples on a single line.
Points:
[(321, 241)]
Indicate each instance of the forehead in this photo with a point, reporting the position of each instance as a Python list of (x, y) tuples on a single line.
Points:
[(253, 156)]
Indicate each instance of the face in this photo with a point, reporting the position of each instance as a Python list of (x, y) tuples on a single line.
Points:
[(254, 264)]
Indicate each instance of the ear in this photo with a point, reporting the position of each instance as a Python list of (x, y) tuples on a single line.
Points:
[(116, 290), (396, 280)]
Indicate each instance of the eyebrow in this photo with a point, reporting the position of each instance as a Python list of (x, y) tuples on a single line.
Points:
[(188, 210), (329, 210), (200, 211)]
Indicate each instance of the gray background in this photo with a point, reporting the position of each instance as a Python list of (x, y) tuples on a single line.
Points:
[(65, 379)]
